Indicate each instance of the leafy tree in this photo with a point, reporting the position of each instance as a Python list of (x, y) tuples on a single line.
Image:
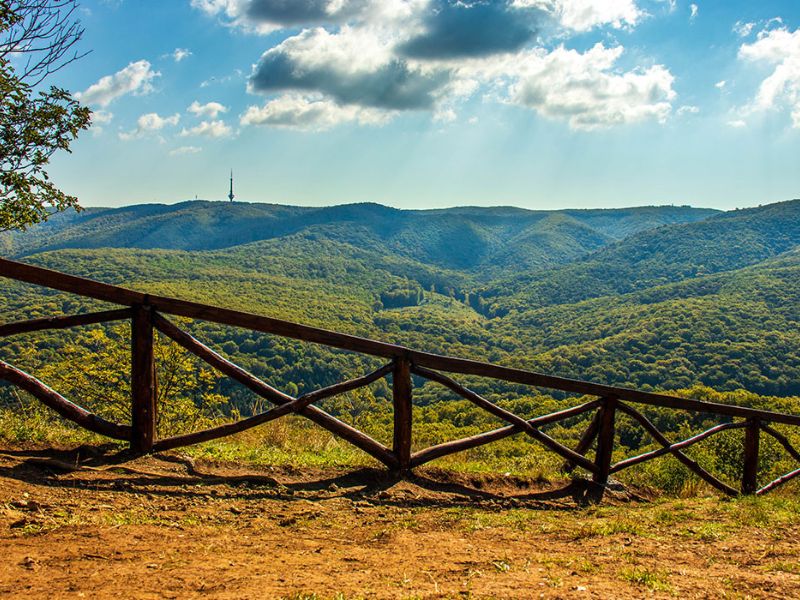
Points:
[(36, 40)]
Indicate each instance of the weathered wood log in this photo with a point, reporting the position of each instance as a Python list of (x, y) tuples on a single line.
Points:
[(470, 367), (750, 467), (447, 448), (778, 482), (605, 443), (401, 401), (118, 295), (143, 380), (219, 362), (506, 415), (64, 322), (691, 464), (635, 460), (586, 440), (782, 440), (282, 409), (65, 408), (317, 415)]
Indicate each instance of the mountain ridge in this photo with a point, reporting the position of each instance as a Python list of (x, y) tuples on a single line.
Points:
[(482, 240)]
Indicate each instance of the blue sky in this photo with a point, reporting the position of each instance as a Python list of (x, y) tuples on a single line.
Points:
[(432, 103)]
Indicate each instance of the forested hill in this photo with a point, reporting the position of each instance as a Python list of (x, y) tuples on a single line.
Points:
[(486, 242), (723, 242), (647, 297)]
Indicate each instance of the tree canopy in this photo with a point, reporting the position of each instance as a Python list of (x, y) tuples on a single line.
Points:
[(36, 40)]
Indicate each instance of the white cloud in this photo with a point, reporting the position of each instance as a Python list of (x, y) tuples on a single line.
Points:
[(183, 150), (352, 66), (101, 117), (154, 122), (688, 110), (266, 16), (309, 113), (780, 50), (743, 29), (583, 15), (721, 84), (214, 129), (367, 61), (180, 53), (209, 110), (135, 78), (737, 124), (693, 10), (587, 91), (148, 123)]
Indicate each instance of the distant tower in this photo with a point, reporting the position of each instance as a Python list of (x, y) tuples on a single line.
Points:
[(230, 194)]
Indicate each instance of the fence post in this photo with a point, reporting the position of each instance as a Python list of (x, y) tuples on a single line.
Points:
[(143, 380), (605, 443), (751, 443), (401, 397)]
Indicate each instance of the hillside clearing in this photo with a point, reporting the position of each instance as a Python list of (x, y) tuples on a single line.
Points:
[(169, 527)]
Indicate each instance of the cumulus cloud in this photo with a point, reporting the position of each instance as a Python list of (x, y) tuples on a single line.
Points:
[(149, 122), (584, 88), (209, 110), (352, 66), (693, 10), (367, 61), (468, 29), (136, 78), (213, 129), (779, 49), (265, 16), (584, 15), (101, 117), (180, 53), (303, 12), (154, 122), (309, 113)]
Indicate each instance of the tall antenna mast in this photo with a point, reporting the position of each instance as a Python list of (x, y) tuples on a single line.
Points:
[(230, 194)]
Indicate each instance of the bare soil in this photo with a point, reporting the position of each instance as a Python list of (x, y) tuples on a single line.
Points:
[(165, 527)]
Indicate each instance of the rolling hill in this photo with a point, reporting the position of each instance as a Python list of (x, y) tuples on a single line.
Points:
[(484, 242), (651, 297)]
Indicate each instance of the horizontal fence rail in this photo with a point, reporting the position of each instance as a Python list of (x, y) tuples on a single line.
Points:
[(146, 312)]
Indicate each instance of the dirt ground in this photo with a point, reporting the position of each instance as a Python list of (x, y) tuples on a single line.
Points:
[(165, 527)]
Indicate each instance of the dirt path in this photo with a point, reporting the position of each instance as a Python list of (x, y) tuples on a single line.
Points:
[(178, 530)]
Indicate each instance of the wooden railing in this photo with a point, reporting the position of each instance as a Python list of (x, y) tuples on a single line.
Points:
[(146, 313)]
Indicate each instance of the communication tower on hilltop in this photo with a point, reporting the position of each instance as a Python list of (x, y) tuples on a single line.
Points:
[(231, 196)]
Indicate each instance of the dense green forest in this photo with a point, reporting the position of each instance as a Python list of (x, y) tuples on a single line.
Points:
[(663, 298)]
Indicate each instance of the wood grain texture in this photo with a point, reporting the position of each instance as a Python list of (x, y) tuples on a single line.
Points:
[(447, 448), (401, 402), (64, 322), (635, 460), (143, 380), (317, 415), (688, 462), (61, 405), (515, 420), (294, 406), (194, 310)]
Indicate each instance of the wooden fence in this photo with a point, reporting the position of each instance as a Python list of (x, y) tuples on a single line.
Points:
[(146, 313)]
